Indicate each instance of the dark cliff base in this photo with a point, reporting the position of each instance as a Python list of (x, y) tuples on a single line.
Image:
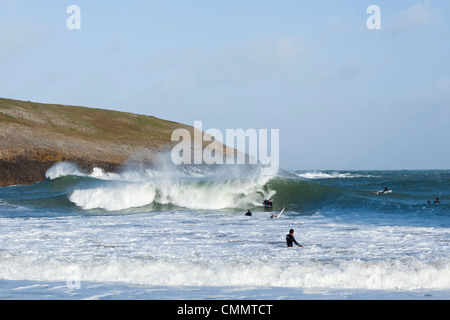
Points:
[(26, 170), (22, 171)]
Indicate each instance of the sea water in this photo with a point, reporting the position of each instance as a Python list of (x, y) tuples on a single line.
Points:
[(181, 233)]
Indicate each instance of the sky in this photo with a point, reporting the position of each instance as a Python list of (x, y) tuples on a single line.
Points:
[(343, 96)]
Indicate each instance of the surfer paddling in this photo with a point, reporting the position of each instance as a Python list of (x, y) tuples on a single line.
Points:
[(290, 240), (386, 190), (435, 201)]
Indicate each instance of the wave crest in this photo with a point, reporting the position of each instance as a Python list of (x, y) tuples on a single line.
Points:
[(193, 187)]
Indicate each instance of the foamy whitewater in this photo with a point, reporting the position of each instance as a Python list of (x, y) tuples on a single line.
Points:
[(180, 233)]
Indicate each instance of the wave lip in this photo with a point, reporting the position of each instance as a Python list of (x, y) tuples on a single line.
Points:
[(63, 169)]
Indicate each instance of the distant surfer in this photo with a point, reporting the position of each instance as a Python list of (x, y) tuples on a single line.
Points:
[(277, 215), (290, 240), (437, 200), (248, 214), (386, 190)]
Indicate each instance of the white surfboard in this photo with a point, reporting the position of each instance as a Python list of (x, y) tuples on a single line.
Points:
[(279, 215), (384, 192)]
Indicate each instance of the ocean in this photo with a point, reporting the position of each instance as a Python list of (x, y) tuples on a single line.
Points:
[(171, 232)]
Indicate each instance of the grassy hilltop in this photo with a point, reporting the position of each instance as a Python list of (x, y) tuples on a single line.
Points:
[(34, 136)]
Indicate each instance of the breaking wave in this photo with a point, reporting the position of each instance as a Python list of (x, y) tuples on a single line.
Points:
[(191, 187)]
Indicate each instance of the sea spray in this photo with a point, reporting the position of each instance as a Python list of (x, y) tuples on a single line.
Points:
[(194, 187), (62, 169), (202, 187)]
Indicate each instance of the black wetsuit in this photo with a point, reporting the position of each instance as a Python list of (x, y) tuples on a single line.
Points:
[(290, 240), (267, 203)]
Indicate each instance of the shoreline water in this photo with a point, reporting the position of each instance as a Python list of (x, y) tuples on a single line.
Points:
[(37, 290)]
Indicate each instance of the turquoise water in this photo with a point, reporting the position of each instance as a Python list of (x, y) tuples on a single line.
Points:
[(164, 233)]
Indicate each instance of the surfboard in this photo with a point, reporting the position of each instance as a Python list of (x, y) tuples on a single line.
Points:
[(279, 215), (384, 192)]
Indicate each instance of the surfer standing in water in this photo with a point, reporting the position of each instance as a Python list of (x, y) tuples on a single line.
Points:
[(290, 240)]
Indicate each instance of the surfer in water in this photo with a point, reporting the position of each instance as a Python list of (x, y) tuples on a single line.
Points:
[(268, 203), (386, 190), (290, 240), (437, 201), (248, 214), (277, 215)]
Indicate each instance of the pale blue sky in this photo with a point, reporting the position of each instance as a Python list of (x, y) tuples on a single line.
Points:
[(343, 96)]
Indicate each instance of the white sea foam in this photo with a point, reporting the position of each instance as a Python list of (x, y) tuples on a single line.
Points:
[(379, 275), (186, 249), (102, 174), (113, 198), (121, 195), (330, 175), (186, 187), (62, 169)]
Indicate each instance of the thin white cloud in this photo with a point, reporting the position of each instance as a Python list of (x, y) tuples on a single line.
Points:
[(418, 16), (238, 63), (435, 96)]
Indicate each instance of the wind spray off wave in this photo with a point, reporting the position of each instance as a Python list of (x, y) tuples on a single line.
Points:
[(192, 187)]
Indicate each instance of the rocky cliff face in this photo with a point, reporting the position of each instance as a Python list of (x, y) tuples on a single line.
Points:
[(34, 136)]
